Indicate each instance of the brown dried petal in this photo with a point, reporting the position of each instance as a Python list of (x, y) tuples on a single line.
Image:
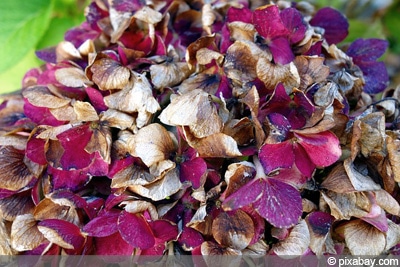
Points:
[(109, 74), (133, 175), (393, 151), (66, 51), (161, 189), (311, 70), (363, 238), (120, 21), (387, 202), (237, 175), (5, 241), (152, 144), (359, 181), (139, 206), (40, 96), (202, 42), (193, 109), (234, 230), (65, 113), (116, 119), (241, 31), (71, 77), (85, 111), (213, 249), (138, 98), (346, 205), (48, 209), (338, 181), (241, 130), (100, 141), (272, 74), (296, 243), (17, 204), (14, 173), (372, 137), (208, 17), (168, 74), (392, 235), (148, 15), (326, 94), (205, 56), (25, 234)]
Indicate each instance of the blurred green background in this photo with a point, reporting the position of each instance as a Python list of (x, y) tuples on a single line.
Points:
[(29, 25)]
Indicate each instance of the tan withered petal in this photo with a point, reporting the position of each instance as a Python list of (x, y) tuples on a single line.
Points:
[(120, 21), (201, 221), (65, 113), (237, 175), (40, 96), (25, 234), (133, 175), (207, 17), (363, 238), (259, 248), (5, 241), (213, 249), (392, 235), (49, 209), (194, 109), (15, 175), (17, 204), (326, 94), (138, 206), (136, 98), (16, 141), (240, 59), (66, 51), (311, 70), (202, 42), (308, 205), (148, 15), (241, 31), (217, 145), (296, 243), (168, 74), (72, 77), (49, 132), (84, 111), (359, 181), (346, 205), (272, 74), (161, 189), (206, 80), (87, 48), (393, 151), (205, 56), (116, 119), (54, 237), (338, 181), (109, 74), (387, 202), (101, 141), (241, 130), (234, 230), (152, 144)]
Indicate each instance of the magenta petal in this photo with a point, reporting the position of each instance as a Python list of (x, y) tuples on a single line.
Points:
[(135, 230), (193, 170), (333, 22), (281, 123), (164, 230), (276, 156), (104, 225), (280, 203), (112, 245), (302, 161), (281, 50), (35, 149), (246, 195), (293, 21), (268, 22), (96, 99), (239, 14), (322, 148), (190, 238), (40, 115), (69, 232)]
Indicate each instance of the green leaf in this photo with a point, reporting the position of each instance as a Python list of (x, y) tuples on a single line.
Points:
[(22, 24), (364, 29), (391, 22)]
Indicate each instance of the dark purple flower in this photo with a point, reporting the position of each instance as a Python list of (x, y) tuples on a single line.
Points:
[(365, 53)]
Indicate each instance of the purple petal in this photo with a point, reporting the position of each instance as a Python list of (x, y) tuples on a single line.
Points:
[(193, 170), (246, 195), (293, 21), (47, 55), (135, 230), (281, 123), (279, 100), (375, 75), (276, 156), (281, 50), (268, 22), (96, 99), (367, 49), (322, 148), (280, 203), (333, 22), (239, 14), (112, 245), (104, 225), (320, 222), (302, 161)]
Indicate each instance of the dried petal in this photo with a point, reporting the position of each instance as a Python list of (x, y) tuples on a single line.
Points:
[(296, 243), (71, 77), (40, 96), (135, 230), (85, 111), (104, 225), (25, 234), (109, 74)]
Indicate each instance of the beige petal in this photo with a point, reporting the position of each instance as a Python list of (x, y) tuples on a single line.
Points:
[(65, 113), (52, 235), (205, 56), (234, 230), (272, 74), (152, 144), (296, 243), (359, 181), (191, 51), (338, 181), (116, 119), (50, 132), (85, 111), (148, 15), (5, 241), (220, 256), (139, 206), (393, 150), (363, 238), (25, 234), (109, 74), (194, 109), (392, 235), (168, 74), (237, 175), (138, 98), (100, 141), (346, 205), (241, 31), (17, 204), (40, 96), (372, 128), (207, 17), (120, 21), (132, 175), (14, 175), (66, 51), (49, 209), (387, 202), (311, 70), (161, 189), (71, 77), (241, 130)]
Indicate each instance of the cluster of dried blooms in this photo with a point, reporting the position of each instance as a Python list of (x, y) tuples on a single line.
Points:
[(191, 127)]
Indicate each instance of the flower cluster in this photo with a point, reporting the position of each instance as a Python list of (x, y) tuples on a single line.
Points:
[(203, 127)]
